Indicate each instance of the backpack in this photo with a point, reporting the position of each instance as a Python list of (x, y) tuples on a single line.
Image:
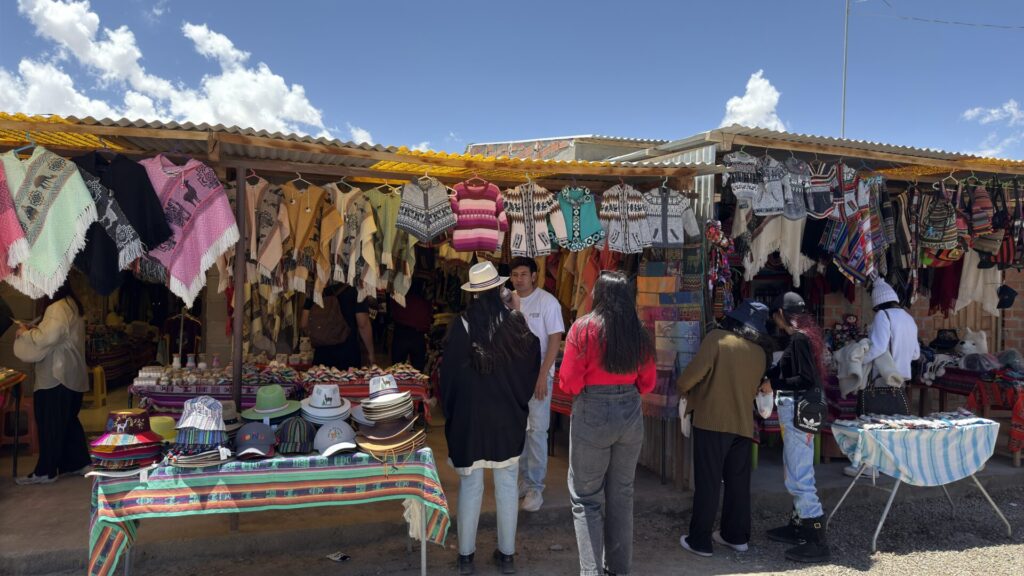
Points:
[(327, 325), (938, 227), (981, 210)]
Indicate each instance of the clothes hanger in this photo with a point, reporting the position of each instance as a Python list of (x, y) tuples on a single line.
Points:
[(343, 180), (252, 174), (300, 180), (31, 144), (425, 178), (477, 179), (105, 148)]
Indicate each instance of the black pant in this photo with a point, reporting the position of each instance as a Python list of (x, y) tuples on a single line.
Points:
[(718, 457), (407, 343), (62, 444)]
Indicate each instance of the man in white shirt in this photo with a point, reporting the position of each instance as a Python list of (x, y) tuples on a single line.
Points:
[(544, 315)]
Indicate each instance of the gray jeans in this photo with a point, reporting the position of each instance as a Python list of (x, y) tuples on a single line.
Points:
[(605, 436)]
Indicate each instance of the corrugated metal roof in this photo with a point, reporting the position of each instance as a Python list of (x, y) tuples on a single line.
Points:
[(575, 137)]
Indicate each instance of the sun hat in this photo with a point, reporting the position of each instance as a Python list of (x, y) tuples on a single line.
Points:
[(325, 402), (231, 420), (390, 429), (334, 437), (483, 276), (127, 428), (202, 413), (790, 303), (254, 440), (404, 443), (295, 436), (360, 418), (271, 403), (752, 314), (165, 426), (882, 293)]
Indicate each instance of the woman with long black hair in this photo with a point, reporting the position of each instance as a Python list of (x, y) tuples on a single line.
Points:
[(608, 363), (799, 372), (490, 367), (57, 347)]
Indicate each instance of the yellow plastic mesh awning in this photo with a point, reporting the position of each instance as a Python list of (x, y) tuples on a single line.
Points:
[(67, 140)]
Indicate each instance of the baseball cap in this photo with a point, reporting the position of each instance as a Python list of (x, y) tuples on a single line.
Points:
[(295, 436), (254, 440), (334, 437), (790, 302)]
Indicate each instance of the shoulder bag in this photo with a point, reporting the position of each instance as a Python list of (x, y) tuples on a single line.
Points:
[(883, 399)]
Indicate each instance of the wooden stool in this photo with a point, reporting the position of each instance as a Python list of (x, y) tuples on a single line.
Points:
[(28, 421), (97, 394)]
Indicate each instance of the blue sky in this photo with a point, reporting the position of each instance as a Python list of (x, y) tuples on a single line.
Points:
[(445, 73)]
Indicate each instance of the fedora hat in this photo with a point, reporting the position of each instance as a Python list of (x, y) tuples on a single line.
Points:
[(232, 421), (483, 276), (390, 429), (326, 403), (271, 403), (408, 441), (127, 428)]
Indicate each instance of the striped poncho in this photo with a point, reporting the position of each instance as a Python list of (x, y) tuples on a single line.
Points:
[(55, 209)]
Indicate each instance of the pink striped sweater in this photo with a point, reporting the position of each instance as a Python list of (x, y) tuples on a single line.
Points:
[(480, 214)]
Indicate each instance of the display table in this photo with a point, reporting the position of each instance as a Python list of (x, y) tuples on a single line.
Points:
[(1002, 394), (275, 484), (169, 399), (919, 456), (10, 386)]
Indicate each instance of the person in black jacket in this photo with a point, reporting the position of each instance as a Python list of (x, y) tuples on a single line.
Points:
[(489, 371), (799, 373)]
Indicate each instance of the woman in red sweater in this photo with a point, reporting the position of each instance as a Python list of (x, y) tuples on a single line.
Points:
[(608, 363)]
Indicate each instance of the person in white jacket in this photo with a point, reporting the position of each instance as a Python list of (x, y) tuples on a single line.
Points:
[(57, 347)]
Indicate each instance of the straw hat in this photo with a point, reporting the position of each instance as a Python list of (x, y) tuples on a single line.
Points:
[(483, 276)]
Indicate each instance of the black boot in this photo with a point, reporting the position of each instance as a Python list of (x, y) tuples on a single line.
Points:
[(815, 549), (790, 533), (505, 562), (466, 564)]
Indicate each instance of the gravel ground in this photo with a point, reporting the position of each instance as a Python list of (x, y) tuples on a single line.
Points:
[(920, 537)]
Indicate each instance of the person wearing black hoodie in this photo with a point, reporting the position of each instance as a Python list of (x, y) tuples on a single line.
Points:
[(489, 371)]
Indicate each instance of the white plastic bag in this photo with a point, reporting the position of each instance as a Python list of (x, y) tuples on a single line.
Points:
[(685, 419), (765, 404)]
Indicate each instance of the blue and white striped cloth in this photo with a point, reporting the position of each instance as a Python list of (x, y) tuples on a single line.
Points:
[(920, 457)]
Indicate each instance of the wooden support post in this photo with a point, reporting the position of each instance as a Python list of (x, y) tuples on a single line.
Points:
[(238, 281)]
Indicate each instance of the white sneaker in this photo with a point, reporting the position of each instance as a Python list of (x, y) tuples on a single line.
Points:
[(686, 546), (532, 501), (522, 491), (869, 472), (717, 537), (33, 479)]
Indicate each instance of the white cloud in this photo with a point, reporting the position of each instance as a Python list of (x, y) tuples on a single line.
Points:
[(995, 146), (247, 96), (359, 135), (1010, 112), (421, 147), (159, 9), (756, 108)]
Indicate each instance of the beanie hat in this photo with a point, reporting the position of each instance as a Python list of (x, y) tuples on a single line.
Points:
[(882, 293)]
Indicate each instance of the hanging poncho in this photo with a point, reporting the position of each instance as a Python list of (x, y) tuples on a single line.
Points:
[(55, 209), (200, 217), (113, 245), (13, 246)]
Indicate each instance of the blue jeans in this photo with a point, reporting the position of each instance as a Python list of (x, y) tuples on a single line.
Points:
[(533, 466), (798, 460), (506, 497), (605, 437)]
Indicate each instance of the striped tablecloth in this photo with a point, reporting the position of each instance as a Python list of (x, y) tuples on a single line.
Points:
[(275, 484), (920, 457)]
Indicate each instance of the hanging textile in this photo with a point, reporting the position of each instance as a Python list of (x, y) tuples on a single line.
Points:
[(55, 209), (355, 261), (794, 188), (385, 203), (583, 227), (13, 245), (202, 224), (770, 199), (777, 234), (624, 220), (480, 216), (978, 285), (425, 212), (821, 189), (531, 210), (112, 244), (742, 177), (670, 218)]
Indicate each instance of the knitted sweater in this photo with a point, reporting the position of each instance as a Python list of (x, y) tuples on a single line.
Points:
[(670, 218), (480, 214), (580, 219), (624, 219), (530, 210), (425, 211)]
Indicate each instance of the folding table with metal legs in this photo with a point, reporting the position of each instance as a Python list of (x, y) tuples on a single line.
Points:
[(892, 496)]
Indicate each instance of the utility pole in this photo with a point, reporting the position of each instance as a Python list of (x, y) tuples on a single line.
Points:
[(846, 36)]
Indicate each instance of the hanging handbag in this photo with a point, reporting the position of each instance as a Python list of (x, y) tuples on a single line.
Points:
[(938, 227), (981, 210), (884, 399)]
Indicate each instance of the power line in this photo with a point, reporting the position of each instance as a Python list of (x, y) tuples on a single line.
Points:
[(945, 22)]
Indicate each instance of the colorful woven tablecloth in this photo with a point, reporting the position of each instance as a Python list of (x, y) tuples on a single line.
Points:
[(1002, 395), (920, 457), (275, 484)]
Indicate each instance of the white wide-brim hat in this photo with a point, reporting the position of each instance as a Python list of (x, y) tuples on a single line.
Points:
[(345, 407), (483, 276)]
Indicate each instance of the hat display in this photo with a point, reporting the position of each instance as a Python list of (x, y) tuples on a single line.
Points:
[(202, 413), (752, 314), (165, 426), (295, 436), (271, 402), (325, 404), (255, 440), (483, 276), (882, 293), (406, 442), (127, 443), (790, 303), (334, 437), (385, 401), (201, 439)]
